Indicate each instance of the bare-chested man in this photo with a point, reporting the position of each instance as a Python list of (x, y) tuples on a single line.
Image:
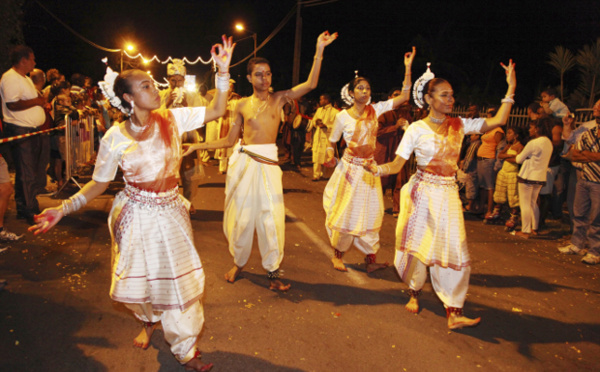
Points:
[(253, 191)]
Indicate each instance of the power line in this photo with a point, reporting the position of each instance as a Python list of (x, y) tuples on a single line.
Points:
[(75, 32), (271, 36)]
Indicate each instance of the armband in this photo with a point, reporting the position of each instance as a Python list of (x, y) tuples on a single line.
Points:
[(222, 82), (73, 204)]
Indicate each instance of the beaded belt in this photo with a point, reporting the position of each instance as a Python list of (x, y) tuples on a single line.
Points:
[(355, 160), (435, 179), (152, 200)]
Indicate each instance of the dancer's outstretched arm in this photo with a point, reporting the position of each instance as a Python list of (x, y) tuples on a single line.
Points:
[(50, 216), (405, 96), (504, 111), (218, 105), (392, 167), (313, 78)]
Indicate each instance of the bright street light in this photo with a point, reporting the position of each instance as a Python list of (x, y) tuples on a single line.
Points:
[(240, 27), (129, 47)]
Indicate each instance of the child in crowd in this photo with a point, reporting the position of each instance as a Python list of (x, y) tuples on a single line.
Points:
[(506, 180), (552, 105)]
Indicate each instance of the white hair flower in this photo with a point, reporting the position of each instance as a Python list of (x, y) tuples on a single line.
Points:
[(107, 87)]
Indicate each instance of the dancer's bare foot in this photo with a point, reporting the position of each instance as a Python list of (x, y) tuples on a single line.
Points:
[(232, 274), (522, 235), (195, 364), (338, 264), (376, 266), (413, 305), (279, 286), (461, 321), (143, 339)]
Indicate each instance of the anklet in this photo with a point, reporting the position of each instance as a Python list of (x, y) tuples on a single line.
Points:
[(458, 311), (339, 254), (413, 293), (272, 275), (370, 259)]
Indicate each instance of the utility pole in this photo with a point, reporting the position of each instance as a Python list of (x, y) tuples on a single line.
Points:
[(297, 45)]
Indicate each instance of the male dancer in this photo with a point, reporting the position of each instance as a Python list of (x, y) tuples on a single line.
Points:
[(253, 191)]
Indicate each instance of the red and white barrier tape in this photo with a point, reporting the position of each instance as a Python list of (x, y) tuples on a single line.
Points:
[(10, 139)]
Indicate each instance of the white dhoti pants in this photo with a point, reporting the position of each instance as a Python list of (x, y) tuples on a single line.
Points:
[(367, 244), (450, 285), (254, 202), (181, 329)]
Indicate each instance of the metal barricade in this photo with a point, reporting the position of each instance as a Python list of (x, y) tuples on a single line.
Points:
[(79, 138)]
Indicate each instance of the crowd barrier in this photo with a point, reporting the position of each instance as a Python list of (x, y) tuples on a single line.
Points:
[(79, 135)]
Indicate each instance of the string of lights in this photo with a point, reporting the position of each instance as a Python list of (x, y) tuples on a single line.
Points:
[(169, 59)]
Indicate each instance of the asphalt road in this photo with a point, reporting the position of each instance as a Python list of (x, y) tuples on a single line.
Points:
[(540, 310)]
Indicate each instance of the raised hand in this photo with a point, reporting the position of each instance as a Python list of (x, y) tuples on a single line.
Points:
[(223, 57), (46, 220), (409, 57), (511, 77), (325, 39)]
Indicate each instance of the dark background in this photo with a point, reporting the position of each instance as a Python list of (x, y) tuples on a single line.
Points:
[(464, 40)]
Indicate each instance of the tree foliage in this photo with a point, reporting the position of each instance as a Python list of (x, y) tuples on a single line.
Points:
[(563, 60), (588, 61)]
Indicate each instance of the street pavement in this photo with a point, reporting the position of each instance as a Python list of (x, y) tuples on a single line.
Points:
[(539, 309)]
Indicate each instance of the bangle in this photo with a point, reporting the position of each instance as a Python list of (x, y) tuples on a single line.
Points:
[(509, 95), (73, 204), (508, 100), (222, 82), (406, 87), (317, 58)]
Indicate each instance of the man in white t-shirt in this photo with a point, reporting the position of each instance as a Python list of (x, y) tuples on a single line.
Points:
[(22, 107)]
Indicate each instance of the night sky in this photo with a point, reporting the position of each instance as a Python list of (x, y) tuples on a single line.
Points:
[(464, 40)]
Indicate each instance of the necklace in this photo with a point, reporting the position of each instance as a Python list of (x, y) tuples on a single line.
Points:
[(436, 120), (137, 129), (260, 108)]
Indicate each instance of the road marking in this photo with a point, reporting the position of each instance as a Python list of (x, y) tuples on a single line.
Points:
[(354, 276)]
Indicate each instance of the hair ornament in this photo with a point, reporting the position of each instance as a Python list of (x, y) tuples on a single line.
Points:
[(345, 95), (420, 85), (107, 88)]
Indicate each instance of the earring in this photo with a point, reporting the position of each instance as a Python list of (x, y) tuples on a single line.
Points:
[(132, 107)]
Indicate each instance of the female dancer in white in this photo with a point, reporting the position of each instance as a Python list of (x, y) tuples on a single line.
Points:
[(156, 270), (431, 231), (352, 199)]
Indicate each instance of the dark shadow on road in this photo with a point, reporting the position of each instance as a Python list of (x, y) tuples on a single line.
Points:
[(527, 330), (223, 361), (297, 191), (50, 263), (327, 292), (389, 273), (207, 215), (42, 338), (212, 184), (527, 282)]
